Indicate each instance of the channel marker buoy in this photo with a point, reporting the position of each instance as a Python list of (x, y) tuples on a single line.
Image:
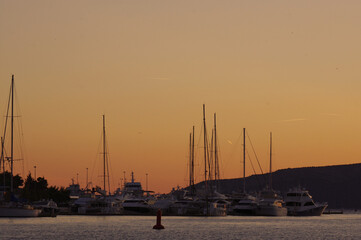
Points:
[(159, 226)]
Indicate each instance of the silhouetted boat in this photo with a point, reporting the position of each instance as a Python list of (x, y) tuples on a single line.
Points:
[(48, 208), (18, 210), (243, 204), (300, 203), (103, 203), (270, 204), (12, 208)]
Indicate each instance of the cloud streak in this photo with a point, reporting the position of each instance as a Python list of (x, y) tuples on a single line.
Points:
[(295, 120)]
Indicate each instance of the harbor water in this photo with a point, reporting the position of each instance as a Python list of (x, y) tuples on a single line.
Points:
[(340, 226)]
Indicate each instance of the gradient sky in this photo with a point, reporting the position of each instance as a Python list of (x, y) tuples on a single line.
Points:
[(290, 67)]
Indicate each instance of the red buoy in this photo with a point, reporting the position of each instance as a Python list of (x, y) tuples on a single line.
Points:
[(159, 226)]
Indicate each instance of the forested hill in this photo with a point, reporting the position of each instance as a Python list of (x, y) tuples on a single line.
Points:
[(338, 185)]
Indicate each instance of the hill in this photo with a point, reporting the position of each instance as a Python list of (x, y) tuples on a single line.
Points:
[(338, 185)]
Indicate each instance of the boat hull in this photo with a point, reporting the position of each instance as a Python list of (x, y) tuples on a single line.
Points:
[(243, 212), (19, 212), (49, 212), (271, 211), (316, 211), (137, 210)]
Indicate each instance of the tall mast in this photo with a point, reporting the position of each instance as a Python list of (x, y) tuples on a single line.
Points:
[(190, 160), (205, 145), (192, 165), (244, 160), (205, 154), (270, 163), (12, 135), (3, 161), (86, 179), (216, 173), (104, 152)]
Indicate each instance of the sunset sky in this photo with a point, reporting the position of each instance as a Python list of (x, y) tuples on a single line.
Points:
[(287, 67)]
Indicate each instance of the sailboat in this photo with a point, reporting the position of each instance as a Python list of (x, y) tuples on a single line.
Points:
[(12, 208), (243, 204), (104, 204), (270, 203), (186, 203), (200, 203)]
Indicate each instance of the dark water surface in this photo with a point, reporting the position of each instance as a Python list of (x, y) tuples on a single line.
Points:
[(344, 226)]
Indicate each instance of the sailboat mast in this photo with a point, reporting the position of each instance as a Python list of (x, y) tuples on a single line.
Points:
[(3, 161), (104, 152), (270, 162), (216, 177), (205, 156), (12, 135), (190, 160), (205, 145), (192, 164), (244, 160)]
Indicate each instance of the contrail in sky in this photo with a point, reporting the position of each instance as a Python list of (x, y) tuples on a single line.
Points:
[(294, 120)]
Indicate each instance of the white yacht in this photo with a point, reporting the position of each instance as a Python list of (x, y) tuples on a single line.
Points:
[(270, 205), (101, 205), (300, 203), (48, 208), (190, 207), (134, 200), (245, 205), (136, 206)]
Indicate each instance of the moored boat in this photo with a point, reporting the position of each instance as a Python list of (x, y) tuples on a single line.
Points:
[(270, 205), (300, 203), (12, 209), (136, 207), (48, 208), (245, 205)]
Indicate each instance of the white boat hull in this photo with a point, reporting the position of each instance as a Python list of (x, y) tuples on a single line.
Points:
[(315, 211), (19, 212)]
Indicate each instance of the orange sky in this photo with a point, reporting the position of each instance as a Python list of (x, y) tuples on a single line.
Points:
[(290, 67)]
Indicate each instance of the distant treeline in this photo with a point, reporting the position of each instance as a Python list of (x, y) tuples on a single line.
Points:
[(33, 189)]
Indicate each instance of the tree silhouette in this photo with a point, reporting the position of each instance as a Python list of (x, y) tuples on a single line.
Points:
[(17, 180)]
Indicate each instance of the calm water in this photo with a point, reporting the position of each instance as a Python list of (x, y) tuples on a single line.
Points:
[(345, 226)]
